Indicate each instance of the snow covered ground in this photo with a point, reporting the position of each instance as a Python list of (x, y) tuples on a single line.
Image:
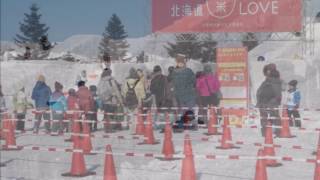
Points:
[(31, 165)]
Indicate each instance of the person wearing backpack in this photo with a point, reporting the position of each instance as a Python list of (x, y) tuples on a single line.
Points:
[(134, 92), (109, 93), (58, 106)]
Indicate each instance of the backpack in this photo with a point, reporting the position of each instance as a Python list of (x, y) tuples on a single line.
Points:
[(131, 99)]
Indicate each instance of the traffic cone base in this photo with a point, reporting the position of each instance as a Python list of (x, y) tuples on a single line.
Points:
[(153, 143), (273, 164), (88, 173), (6, 148), (212, 134), (228, 147)]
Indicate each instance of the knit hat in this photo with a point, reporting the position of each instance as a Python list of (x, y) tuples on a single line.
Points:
[(157, 69), (180, 58), (133, 74), (41, 78), (293, 83), (58, 86)]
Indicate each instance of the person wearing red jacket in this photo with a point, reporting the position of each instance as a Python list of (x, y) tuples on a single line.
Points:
[(85, 98)]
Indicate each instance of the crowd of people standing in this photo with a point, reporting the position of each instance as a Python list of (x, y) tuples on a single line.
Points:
[(142, 92)]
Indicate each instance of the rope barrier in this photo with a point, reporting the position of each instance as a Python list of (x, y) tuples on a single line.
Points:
[(160, 156)]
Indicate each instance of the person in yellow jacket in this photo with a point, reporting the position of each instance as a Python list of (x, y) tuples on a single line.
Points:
[(133, 91)]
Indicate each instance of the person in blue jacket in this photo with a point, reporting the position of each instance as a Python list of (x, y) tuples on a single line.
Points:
[(41, 94), (293, 103), (58, 106)]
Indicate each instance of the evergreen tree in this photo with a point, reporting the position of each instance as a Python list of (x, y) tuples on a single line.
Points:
[(114, 39), (317, 19), (250, 41), (208, 49), (31, 28), (187, 44)]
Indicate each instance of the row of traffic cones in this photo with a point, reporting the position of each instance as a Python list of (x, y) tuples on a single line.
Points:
[(78, 166)]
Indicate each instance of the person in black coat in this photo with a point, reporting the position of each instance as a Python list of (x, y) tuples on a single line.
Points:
[(159, 87)]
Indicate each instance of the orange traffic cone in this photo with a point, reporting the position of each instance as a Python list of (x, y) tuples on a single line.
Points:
[(109, 169), (261, 170), (212, 129), (4, 125), (78, 166), (168, 148), (86, 139), (10, 135), (140, 127), (285, 129), (226, 136), (149, 137), (188, 171), (269, 148), (75, 127)]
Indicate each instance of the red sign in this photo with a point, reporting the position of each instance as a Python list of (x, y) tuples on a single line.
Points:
[(226, 16), (233, 75)]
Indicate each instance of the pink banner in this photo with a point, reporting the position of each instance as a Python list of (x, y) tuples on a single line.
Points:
[(226, 16)]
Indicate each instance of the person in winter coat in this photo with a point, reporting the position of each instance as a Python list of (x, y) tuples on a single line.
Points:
[(72, 100), (112, 102), (159, 87), (85, 97), (293, 103), (82, 77), (184, 82), (133, 91), (2, 105), (20, 104), (95, 106), (142, 85), (41, 94), (58, 106), (135, 81), (2, 101), (269, 96), (208, 88)]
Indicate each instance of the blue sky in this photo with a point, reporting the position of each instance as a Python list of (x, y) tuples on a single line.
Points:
[(69, 17)]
